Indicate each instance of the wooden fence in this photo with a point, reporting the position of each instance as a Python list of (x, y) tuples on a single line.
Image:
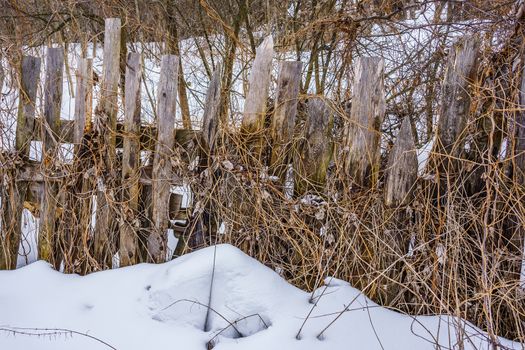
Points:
[(133, 196)]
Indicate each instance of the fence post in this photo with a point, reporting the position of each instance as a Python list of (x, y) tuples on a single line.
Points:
[(211, 124), (50, 146), (316, 149), (2, 75), (401, 172), (518, 170), (256, 99), (83, 98), (455, 103), (106, 124), (283, 120), (162, 170), (363, 133), (130, 162), (13, 202), (210, 118), (30, 77), (80, 197)]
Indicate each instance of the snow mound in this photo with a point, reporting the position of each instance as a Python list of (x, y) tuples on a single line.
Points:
[(165, 306)]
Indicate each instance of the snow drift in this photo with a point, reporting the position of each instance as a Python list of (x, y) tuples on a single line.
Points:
[(165, 307)]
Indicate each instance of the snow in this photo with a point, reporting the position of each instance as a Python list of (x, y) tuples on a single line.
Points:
[(161, 306), (27, 251), (423, 154)]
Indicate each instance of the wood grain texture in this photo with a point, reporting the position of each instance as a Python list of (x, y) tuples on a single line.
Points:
[(30, 77), (401, 172), (83, 99), (283, 119), (162, 168), (362, 135), (455, 101), (14, 192), (105, 126), (130, 224), (50, 135), (518, 238), (106, 116), (316, 149), (210, 118), (257, 98), (82, 162)]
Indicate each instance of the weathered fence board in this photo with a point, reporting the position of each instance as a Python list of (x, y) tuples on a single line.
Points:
[(454, 108), (105, 125), (257, 98), (162, 168), (83, 99), (147, 134), (50, 146), (30, 77), (518, 237), (212, 128), (82, 204), (316, 149), (401, 172), (455, 96), (210, 118), (2, 75), (283, 119), (14, 192), (130, 162), (362, 136)]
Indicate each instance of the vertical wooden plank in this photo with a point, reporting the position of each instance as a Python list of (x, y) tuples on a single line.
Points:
[(257, 97), (401, 173), (174, 49), (210, 118), (283, 120), (400, 181), (105, 125), (14, 194), (50, 145), (15, 191), (30, 77), (316, 151), (455, 97), (518, 167), (107, 107), (83, 99), (2, 74), (519, 137), (162, 169), (210, 130), (79, 196), (130, 162), (362, 135)]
